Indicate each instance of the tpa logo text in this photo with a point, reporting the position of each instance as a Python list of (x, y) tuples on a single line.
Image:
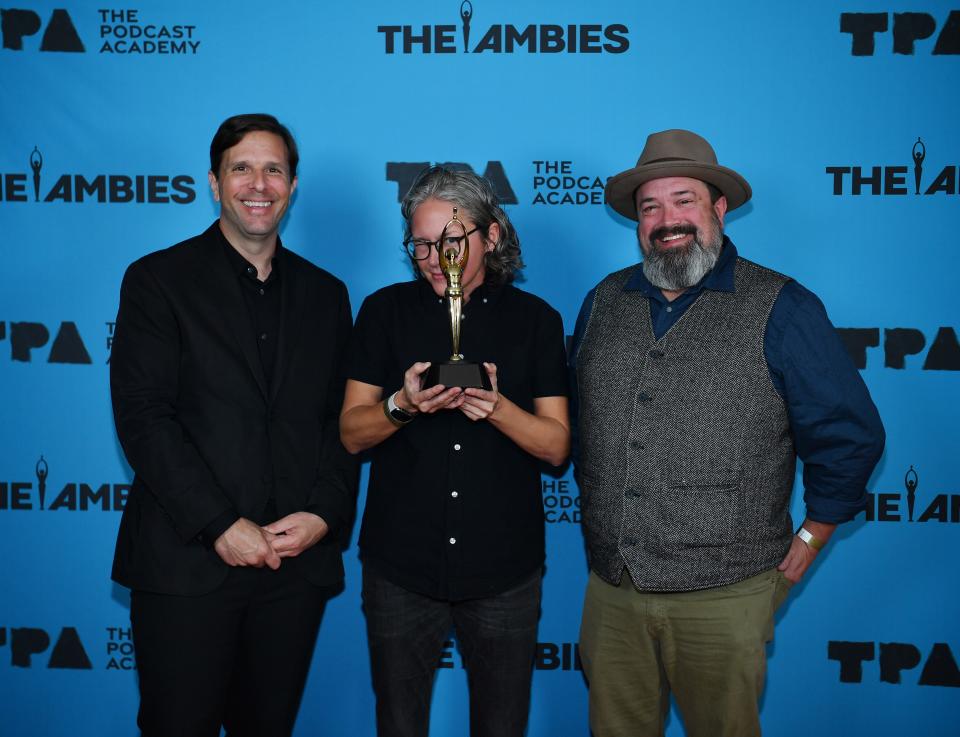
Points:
[(898, 343), (26, 642), (504, 38), (939, 666), (908, 28), (405, 173), (25, 337), (59, 34)]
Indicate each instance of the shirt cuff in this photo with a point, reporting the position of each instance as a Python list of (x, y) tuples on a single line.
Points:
[(219, 525)]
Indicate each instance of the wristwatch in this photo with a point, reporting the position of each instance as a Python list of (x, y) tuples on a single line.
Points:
[(397, 415)]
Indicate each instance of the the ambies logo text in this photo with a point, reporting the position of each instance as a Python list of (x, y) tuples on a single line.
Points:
[(912, 506), (504, 38), (896, 179), (26, 496), (151, 189)]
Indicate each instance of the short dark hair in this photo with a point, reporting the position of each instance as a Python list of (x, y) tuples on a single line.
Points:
[(233, 129)]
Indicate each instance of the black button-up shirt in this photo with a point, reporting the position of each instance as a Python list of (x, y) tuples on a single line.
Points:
[(454, 507), (262, 299), (263, 303)]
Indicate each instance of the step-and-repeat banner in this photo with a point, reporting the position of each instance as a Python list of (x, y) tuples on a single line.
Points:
[(843, 117)]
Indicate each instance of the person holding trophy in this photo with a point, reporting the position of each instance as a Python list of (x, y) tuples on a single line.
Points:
[(452, 537)]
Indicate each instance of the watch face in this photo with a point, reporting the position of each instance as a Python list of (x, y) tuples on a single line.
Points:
[(401, 415)]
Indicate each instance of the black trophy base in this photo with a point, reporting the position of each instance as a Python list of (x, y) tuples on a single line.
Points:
[(457, 373)]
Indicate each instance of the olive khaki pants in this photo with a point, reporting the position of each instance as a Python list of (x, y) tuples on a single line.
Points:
[(707, 648)]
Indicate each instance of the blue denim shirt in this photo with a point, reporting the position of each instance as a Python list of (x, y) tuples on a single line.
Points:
[(836, 427)]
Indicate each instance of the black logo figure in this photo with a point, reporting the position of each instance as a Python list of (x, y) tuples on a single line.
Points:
[(918, 156), (36, 163), (42, 470), (911, 484), (466, 13)]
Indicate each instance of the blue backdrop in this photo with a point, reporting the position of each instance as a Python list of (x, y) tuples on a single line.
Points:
[(842, 117)]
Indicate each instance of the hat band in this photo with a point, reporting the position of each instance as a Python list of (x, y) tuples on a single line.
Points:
[(669, 158)]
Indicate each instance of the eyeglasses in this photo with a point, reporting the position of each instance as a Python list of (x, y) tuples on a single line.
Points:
[(419, 248)]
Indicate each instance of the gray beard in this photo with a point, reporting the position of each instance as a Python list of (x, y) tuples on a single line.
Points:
[(674, 270)]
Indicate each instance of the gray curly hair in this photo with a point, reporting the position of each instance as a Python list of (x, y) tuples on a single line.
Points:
[(475, 195)]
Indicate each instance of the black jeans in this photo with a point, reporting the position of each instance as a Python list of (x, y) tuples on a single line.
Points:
[(497, 637)]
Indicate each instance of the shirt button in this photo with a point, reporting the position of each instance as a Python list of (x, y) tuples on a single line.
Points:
[(263, 336), (456, 446), (484, 300), (453, 541), (251, 271), (454, 494), (669, 308), (262, 291)]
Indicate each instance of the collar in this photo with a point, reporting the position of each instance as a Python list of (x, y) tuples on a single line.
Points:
[(719, 279), (243, 268)]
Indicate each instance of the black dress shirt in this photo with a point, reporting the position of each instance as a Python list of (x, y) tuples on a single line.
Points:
[(263, 303), (454, 507), (262, 299)]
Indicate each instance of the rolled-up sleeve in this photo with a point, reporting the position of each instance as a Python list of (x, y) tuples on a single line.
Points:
[(836, 428)]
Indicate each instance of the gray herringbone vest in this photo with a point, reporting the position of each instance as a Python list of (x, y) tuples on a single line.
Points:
[(687, 462)]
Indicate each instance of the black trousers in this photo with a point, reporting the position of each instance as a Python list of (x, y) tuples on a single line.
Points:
[(236, 657)]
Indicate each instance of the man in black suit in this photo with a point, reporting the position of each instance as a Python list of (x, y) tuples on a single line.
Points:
[(226, 384)]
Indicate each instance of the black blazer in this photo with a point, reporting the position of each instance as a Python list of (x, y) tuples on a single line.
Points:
[(201, 429)]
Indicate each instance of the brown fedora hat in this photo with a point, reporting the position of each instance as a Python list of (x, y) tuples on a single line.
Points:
[(675, 153)]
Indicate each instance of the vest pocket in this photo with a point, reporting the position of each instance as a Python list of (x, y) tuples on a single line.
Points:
[(698, 513)]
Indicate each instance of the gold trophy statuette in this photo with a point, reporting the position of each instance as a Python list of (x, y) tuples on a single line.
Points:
[(454, 253)]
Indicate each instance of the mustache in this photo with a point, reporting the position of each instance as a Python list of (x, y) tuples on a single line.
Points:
[(663, 232)]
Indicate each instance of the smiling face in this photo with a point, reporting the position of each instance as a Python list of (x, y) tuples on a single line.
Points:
[(253, 188), (428, 221), (679, 229)]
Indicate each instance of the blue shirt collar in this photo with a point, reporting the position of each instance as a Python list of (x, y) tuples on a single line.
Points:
[(719, 279)]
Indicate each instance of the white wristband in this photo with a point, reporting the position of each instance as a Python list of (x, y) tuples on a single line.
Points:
[(804, 534)]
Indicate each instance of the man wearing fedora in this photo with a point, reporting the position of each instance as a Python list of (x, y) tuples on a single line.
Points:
[(700, 378)]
